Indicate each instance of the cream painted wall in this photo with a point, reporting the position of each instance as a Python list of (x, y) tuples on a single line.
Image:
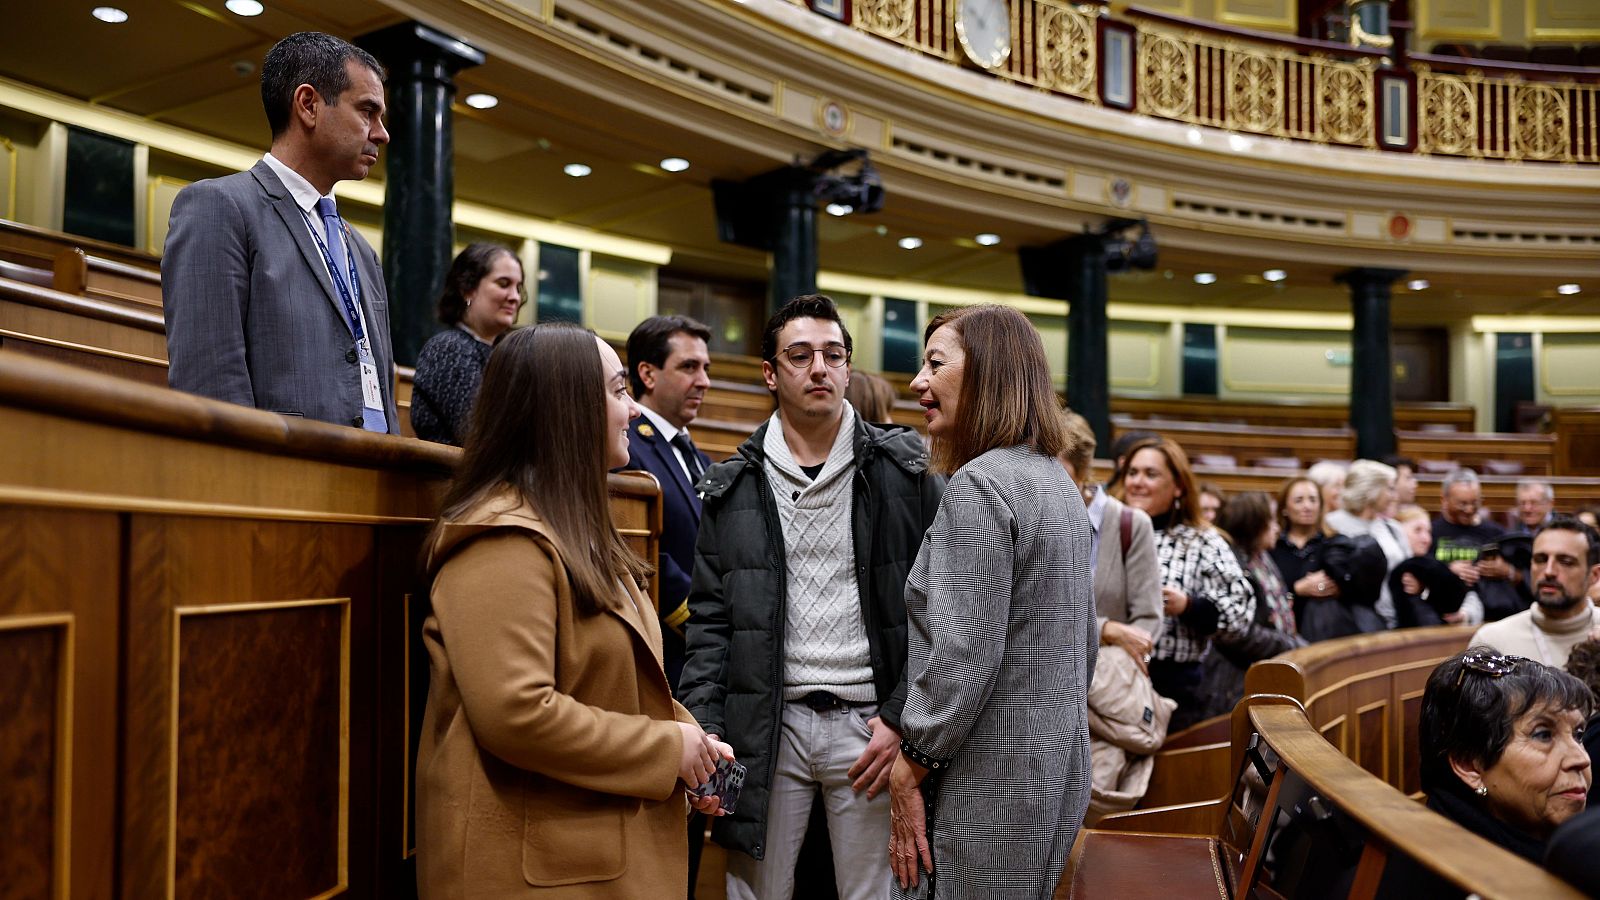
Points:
[(619, 294), (1567, 368), (1282, 363)]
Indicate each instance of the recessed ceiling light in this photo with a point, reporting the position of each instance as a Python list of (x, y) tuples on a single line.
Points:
[(1568, 289), (1239, 143), (1274, 274), (839, 209), (246, 8), (988, 239), (576, 170), (1205, 278), (1418, 284), (674, 164), (1194, 136), (109, 14), (482, 101), (910, 243)]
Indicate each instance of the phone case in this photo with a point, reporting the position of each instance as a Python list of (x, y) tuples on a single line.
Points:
[(725, 783)]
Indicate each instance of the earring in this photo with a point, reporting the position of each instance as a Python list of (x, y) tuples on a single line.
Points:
[(1481, 790)]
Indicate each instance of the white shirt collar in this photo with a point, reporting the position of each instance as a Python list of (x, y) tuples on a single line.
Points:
[(1097, 507), (305, 196), (662, 425)]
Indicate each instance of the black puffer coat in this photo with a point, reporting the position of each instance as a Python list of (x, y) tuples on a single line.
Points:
[(733, 674)]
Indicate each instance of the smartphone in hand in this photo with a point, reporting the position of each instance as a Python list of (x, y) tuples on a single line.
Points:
[(724, 783)]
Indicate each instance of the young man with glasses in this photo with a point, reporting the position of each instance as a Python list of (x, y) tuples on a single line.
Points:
[(797, 631)]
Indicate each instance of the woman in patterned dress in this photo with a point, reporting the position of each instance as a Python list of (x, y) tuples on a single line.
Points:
[(482, 294)]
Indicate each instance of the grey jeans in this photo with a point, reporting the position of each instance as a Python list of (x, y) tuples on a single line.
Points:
[(818, 749)]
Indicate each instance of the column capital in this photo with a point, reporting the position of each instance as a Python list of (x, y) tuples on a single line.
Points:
[(1369, 275), (407, 43)]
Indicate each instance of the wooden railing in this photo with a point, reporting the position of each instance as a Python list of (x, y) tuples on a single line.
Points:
[(1203, 73), (211, 632)]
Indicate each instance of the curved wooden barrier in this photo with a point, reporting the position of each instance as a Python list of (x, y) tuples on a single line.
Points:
[(211, 628), (1300, 819), (1362, 692)]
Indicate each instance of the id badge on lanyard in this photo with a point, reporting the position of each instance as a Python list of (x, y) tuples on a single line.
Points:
[(371, 392)]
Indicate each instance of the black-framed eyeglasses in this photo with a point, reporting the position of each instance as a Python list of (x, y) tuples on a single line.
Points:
[(1494, 665), (800, 356)]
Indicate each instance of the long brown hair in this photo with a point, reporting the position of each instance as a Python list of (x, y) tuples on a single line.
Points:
[(539, 426), (1006, 398), (1187, 507)]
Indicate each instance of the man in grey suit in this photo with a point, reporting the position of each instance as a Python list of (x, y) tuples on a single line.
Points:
[(271, 300)]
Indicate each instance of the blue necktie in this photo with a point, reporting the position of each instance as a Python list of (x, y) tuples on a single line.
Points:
[(333, 231)]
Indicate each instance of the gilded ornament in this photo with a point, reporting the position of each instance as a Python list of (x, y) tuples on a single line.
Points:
[(1255, 93), (1449, 116), (1540, 127), (892, 19), (1166, 76), (1066, 41), (1344, 106)]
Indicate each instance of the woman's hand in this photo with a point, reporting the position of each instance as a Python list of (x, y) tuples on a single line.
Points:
[(908, 822), (1315, 584), (1173, 600), (1131, 639), (699, 757), (712, 805)]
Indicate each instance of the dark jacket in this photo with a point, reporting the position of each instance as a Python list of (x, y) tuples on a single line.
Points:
[(1222, 683), (733, 674), (649, 452)]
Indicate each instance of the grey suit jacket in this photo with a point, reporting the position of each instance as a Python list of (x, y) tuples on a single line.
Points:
[(252, 316), (1127, 587)]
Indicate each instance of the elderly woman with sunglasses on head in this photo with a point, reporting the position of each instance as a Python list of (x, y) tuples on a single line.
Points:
[(1502, 756)]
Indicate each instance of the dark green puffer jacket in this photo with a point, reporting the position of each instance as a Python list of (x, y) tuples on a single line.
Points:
[(733, 675)]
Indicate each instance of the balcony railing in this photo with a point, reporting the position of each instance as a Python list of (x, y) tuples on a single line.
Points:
[(1316, 91)]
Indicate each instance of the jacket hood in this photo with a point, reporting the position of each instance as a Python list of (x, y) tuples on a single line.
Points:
[(899, 443), (503, 509)]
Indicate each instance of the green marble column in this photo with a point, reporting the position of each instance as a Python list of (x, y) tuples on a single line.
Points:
[(1372, 366), (419, 179)]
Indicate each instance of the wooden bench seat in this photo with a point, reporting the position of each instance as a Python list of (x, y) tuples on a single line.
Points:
[(1246, 443), (1532, 454)]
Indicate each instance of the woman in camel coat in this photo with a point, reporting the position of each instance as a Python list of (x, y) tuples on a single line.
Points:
[(553, 760)]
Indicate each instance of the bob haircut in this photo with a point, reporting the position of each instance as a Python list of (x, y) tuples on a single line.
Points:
[(1187, 506), (470, 267), (1283, 504), (1081, 443), (1364, 483), (1468, 714), (1245, 518), (871, 395), (539, 427), (1006, 398)]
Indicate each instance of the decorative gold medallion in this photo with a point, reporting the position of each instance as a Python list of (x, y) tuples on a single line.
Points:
[(646, 430)]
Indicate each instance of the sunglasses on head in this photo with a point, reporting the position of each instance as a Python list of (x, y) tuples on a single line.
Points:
[(1494, 665)]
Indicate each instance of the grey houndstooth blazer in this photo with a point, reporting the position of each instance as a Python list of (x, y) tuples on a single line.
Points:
[(252, 317), (1001, 650)]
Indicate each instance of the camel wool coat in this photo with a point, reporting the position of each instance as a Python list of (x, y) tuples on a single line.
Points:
[(548, 765)]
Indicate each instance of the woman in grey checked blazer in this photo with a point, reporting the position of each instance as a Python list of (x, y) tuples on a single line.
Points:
[(993, 776)]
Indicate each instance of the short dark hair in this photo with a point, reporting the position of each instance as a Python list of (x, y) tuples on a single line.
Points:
[(651, 342), (1564, 522), (1467, 715), (1395, 461), (469, 268), (1583, 663), (308, 57), (805, 306), (1244, 518)]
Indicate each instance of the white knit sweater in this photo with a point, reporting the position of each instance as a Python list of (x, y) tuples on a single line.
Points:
[(825, 641)]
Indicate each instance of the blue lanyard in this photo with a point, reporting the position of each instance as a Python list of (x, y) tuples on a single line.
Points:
[(333, 270)]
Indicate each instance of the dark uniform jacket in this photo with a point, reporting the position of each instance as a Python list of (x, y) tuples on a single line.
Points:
[(733, 676)]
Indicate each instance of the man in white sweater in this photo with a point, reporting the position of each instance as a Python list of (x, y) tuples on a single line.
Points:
[(797, 629), (1566, 561)]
